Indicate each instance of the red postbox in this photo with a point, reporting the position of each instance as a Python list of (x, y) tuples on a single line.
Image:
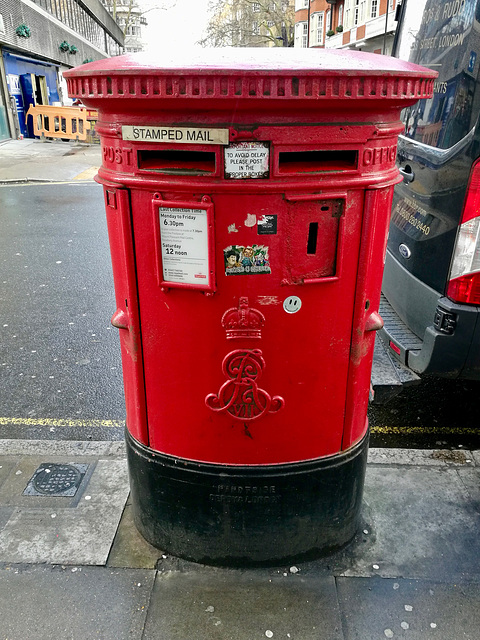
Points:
[(248, 195)]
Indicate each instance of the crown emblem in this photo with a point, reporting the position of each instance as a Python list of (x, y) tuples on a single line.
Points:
[(244, 322)]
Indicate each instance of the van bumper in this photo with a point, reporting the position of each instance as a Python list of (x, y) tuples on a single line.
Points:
[(425, 331)]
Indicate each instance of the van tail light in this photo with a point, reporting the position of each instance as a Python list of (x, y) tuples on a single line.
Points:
[(464, 281)]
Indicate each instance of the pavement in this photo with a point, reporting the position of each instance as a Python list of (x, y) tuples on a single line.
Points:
[(32, 160), (73, 566)]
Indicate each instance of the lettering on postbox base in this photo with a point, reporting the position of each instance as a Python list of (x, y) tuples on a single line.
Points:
[(245, 494), (180, 135)]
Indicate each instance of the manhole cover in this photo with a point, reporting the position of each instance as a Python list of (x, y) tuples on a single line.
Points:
[(52, 479)]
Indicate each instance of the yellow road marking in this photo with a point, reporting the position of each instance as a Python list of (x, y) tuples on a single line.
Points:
[(405, 431), (61, 422)]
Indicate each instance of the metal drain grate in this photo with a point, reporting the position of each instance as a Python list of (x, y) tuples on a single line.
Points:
[(56, 480)]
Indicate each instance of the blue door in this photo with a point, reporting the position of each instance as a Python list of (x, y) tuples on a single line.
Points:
[(27, 82)]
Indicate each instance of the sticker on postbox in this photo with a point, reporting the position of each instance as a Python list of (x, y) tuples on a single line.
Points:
[(184, 242), (247, 160), (246, 260), (267, 225)]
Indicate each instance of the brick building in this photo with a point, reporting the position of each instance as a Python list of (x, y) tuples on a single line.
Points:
[(366, 25)]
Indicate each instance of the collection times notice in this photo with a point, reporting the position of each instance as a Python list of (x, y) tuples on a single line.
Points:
[(184, 240)]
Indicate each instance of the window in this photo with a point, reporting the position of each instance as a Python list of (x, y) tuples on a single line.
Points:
[(316, 29), (256, 7), (356, 9), (340, 15), (301, 4), (255, 28), (362, 11), (358, 13), (301, 34)]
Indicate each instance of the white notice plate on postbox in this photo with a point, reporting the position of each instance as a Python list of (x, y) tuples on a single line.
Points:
[(247, 160), (184, 241), (179, 135)]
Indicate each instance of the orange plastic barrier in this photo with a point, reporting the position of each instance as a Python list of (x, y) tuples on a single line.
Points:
[(92, 117), (70, 123)]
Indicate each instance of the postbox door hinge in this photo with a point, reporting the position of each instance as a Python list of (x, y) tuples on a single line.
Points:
[(120, 319), (374, 322)]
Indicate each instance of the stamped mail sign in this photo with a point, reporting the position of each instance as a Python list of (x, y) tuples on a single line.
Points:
[(180, 135)]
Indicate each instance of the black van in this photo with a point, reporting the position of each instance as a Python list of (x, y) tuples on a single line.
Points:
[(431, 286)]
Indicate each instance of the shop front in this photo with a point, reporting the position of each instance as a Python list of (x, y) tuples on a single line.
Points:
[(29, 82)]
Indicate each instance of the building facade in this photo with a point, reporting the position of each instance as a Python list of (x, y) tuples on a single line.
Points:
[(129, 15), (365, 25), (39, 39)]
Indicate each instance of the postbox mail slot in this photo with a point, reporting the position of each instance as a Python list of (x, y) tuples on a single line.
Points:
[(316, 161), (177, 162)]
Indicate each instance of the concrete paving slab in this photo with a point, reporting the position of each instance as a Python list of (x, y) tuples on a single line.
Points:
[(129, 548), (476, 457), (423, 457), (75, 603), (420, 525), (7, 464), (412, 609), (5, 515), (20, 447), (36, 160), (220, 604), (12, 490), (77, 530), (471, 480)]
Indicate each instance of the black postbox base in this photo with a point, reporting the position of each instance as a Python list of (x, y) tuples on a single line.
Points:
[(246, 515)]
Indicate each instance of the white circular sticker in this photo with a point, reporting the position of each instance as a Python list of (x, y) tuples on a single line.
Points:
[(292, 304)]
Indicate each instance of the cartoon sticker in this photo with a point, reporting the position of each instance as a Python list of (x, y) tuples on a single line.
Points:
[(246, 260)]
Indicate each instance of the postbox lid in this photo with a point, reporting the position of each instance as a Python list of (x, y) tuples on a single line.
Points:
[(255, 73), (251, 60)]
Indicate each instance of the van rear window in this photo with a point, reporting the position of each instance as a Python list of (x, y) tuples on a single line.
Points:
[(448, 41)]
